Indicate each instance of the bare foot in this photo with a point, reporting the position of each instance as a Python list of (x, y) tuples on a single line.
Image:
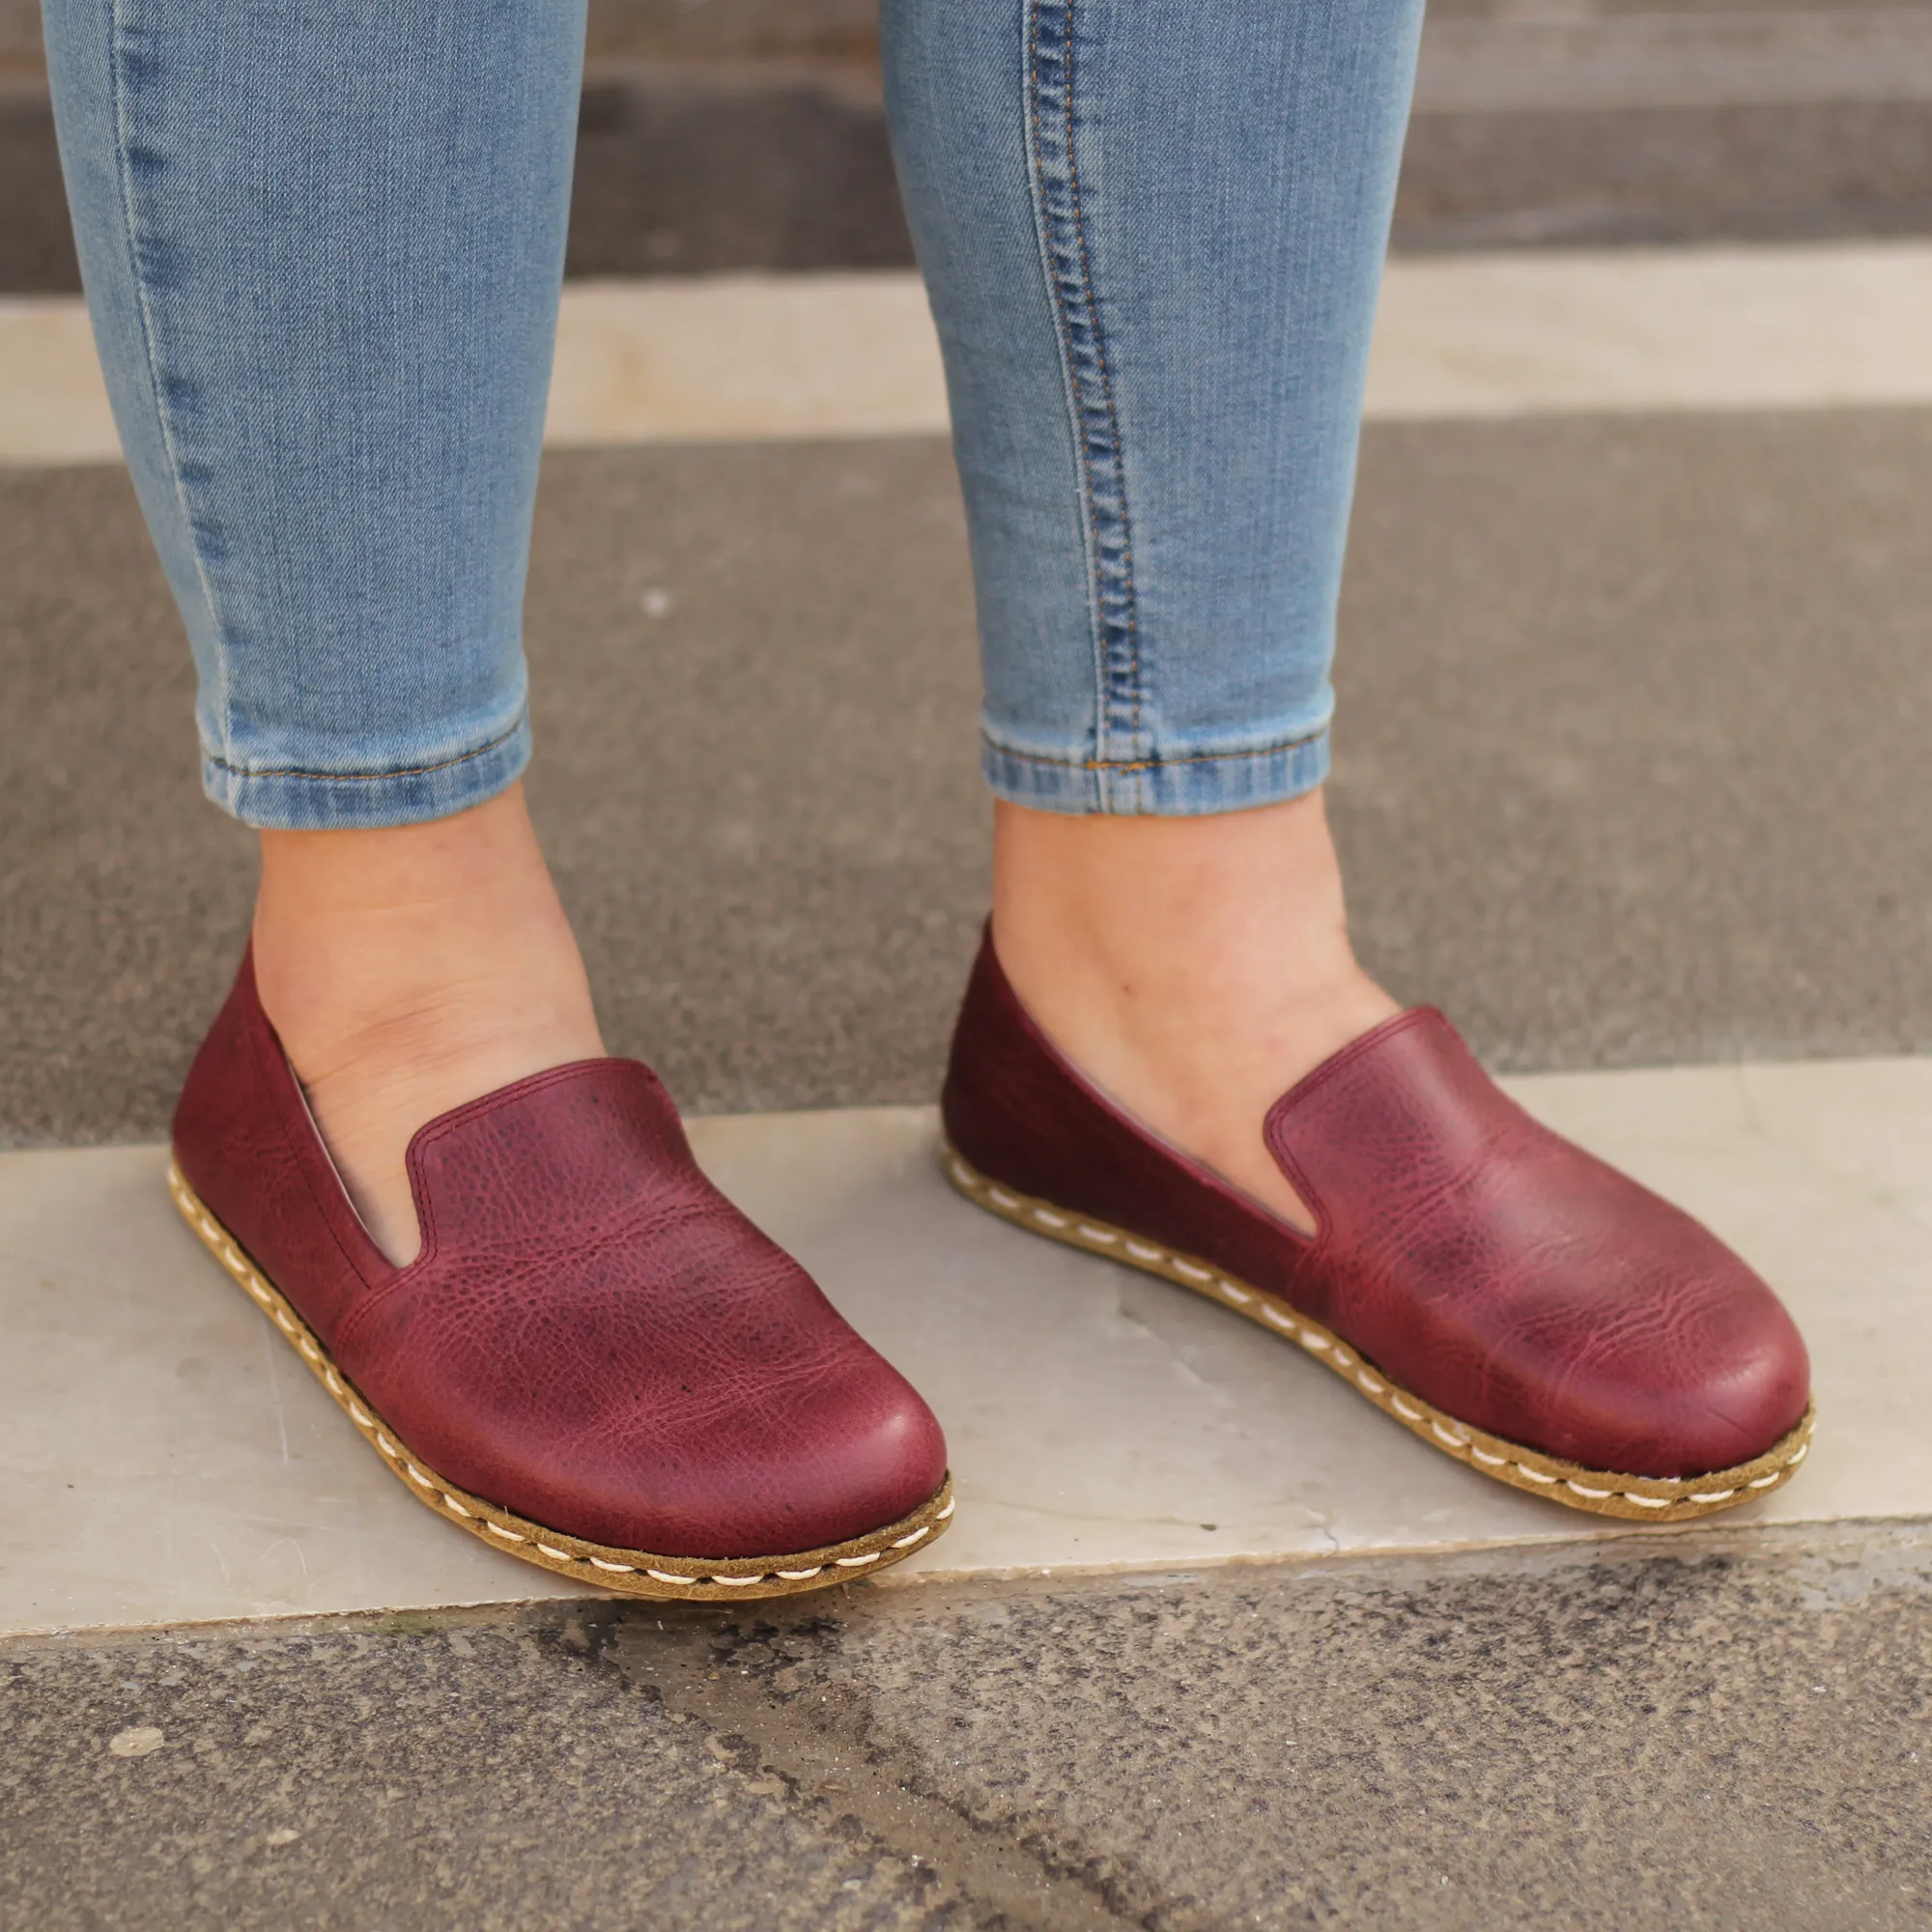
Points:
[(1193, 968), (409, 970)]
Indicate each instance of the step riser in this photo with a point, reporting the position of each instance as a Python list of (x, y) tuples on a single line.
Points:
[(696, 159)]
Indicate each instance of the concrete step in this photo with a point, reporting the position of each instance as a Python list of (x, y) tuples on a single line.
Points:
[(756, 357), (1593, 123), (170, 1461), (625, 29), (749, 139)]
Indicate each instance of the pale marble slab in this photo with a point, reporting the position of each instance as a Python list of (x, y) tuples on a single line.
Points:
[(163, 1456), (765, 358)]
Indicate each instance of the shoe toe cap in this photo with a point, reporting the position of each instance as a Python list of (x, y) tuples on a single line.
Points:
[(1744, 1391), (773, 1469), (1697, 1372), (778, 1475)]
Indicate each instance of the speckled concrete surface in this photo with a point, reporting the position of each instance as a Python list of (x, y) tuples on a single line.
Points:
[(1717, 1731), (1632, 759)]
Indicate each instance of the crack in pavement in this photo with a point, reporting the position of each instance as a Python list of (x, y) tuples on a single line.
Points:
[(828, 1755)]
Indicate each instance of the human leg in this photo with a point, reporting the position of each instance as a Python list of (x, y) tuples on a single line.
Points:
[(411, 969), (323, 243), (321, 247), (1153, 235), (1194, 968)]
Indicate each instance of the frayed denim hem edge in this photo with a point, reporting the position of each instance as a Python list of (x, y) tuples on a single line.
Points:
[(1177, 787), (355, 801)]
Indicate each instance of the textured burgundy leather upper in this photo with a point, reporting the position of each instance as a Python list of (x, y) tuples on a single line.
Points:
[(1480, 1260), (592, 1336)]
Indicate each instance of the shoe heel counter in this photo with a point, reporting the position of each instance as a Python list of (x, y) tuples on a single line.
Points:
[(975, 1101), (1009, 1105), (224, 1087), (244, 1143), (1023, 1116)]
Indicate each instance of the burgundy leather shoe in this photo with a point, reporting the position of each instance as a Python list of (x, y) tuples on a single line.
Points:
[(596, 1363), (1510, 1298)]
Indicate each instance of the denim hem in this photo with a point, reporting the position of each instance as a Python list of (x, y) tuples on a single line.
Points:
[(1177, 787), (283, 801)]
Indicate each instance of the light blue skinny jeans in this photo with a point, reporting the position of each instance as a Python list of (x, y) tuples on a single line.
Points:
[(322, 242)]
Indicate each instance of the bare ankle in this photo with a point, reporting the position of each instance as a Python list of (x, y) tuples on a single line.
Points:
[(409, 970), (361, 927), (1195, 969)]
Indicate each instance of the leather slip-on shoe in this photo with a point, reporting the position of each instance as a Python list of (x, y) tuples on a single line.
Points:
[(596, 1363), (1509, 1298)]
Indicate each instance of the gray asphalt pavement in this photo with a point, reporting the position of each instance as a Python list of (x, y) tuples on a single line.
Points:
[(1725, 1731), (1631, 768)]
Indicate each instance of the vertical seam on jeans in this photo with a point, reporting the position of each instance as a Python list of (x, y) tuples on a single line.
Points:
[(1095, 419), (169, 446), (1035, 166)]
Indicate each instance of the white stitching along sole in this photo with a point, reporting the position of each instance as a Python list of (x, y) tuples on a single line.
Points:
[(1632, 1498), (633, 1573)]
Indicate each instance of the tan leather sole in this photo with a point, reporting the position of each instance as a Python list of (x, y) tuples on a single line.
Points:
[(635, 1573), (1635, 1498)]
